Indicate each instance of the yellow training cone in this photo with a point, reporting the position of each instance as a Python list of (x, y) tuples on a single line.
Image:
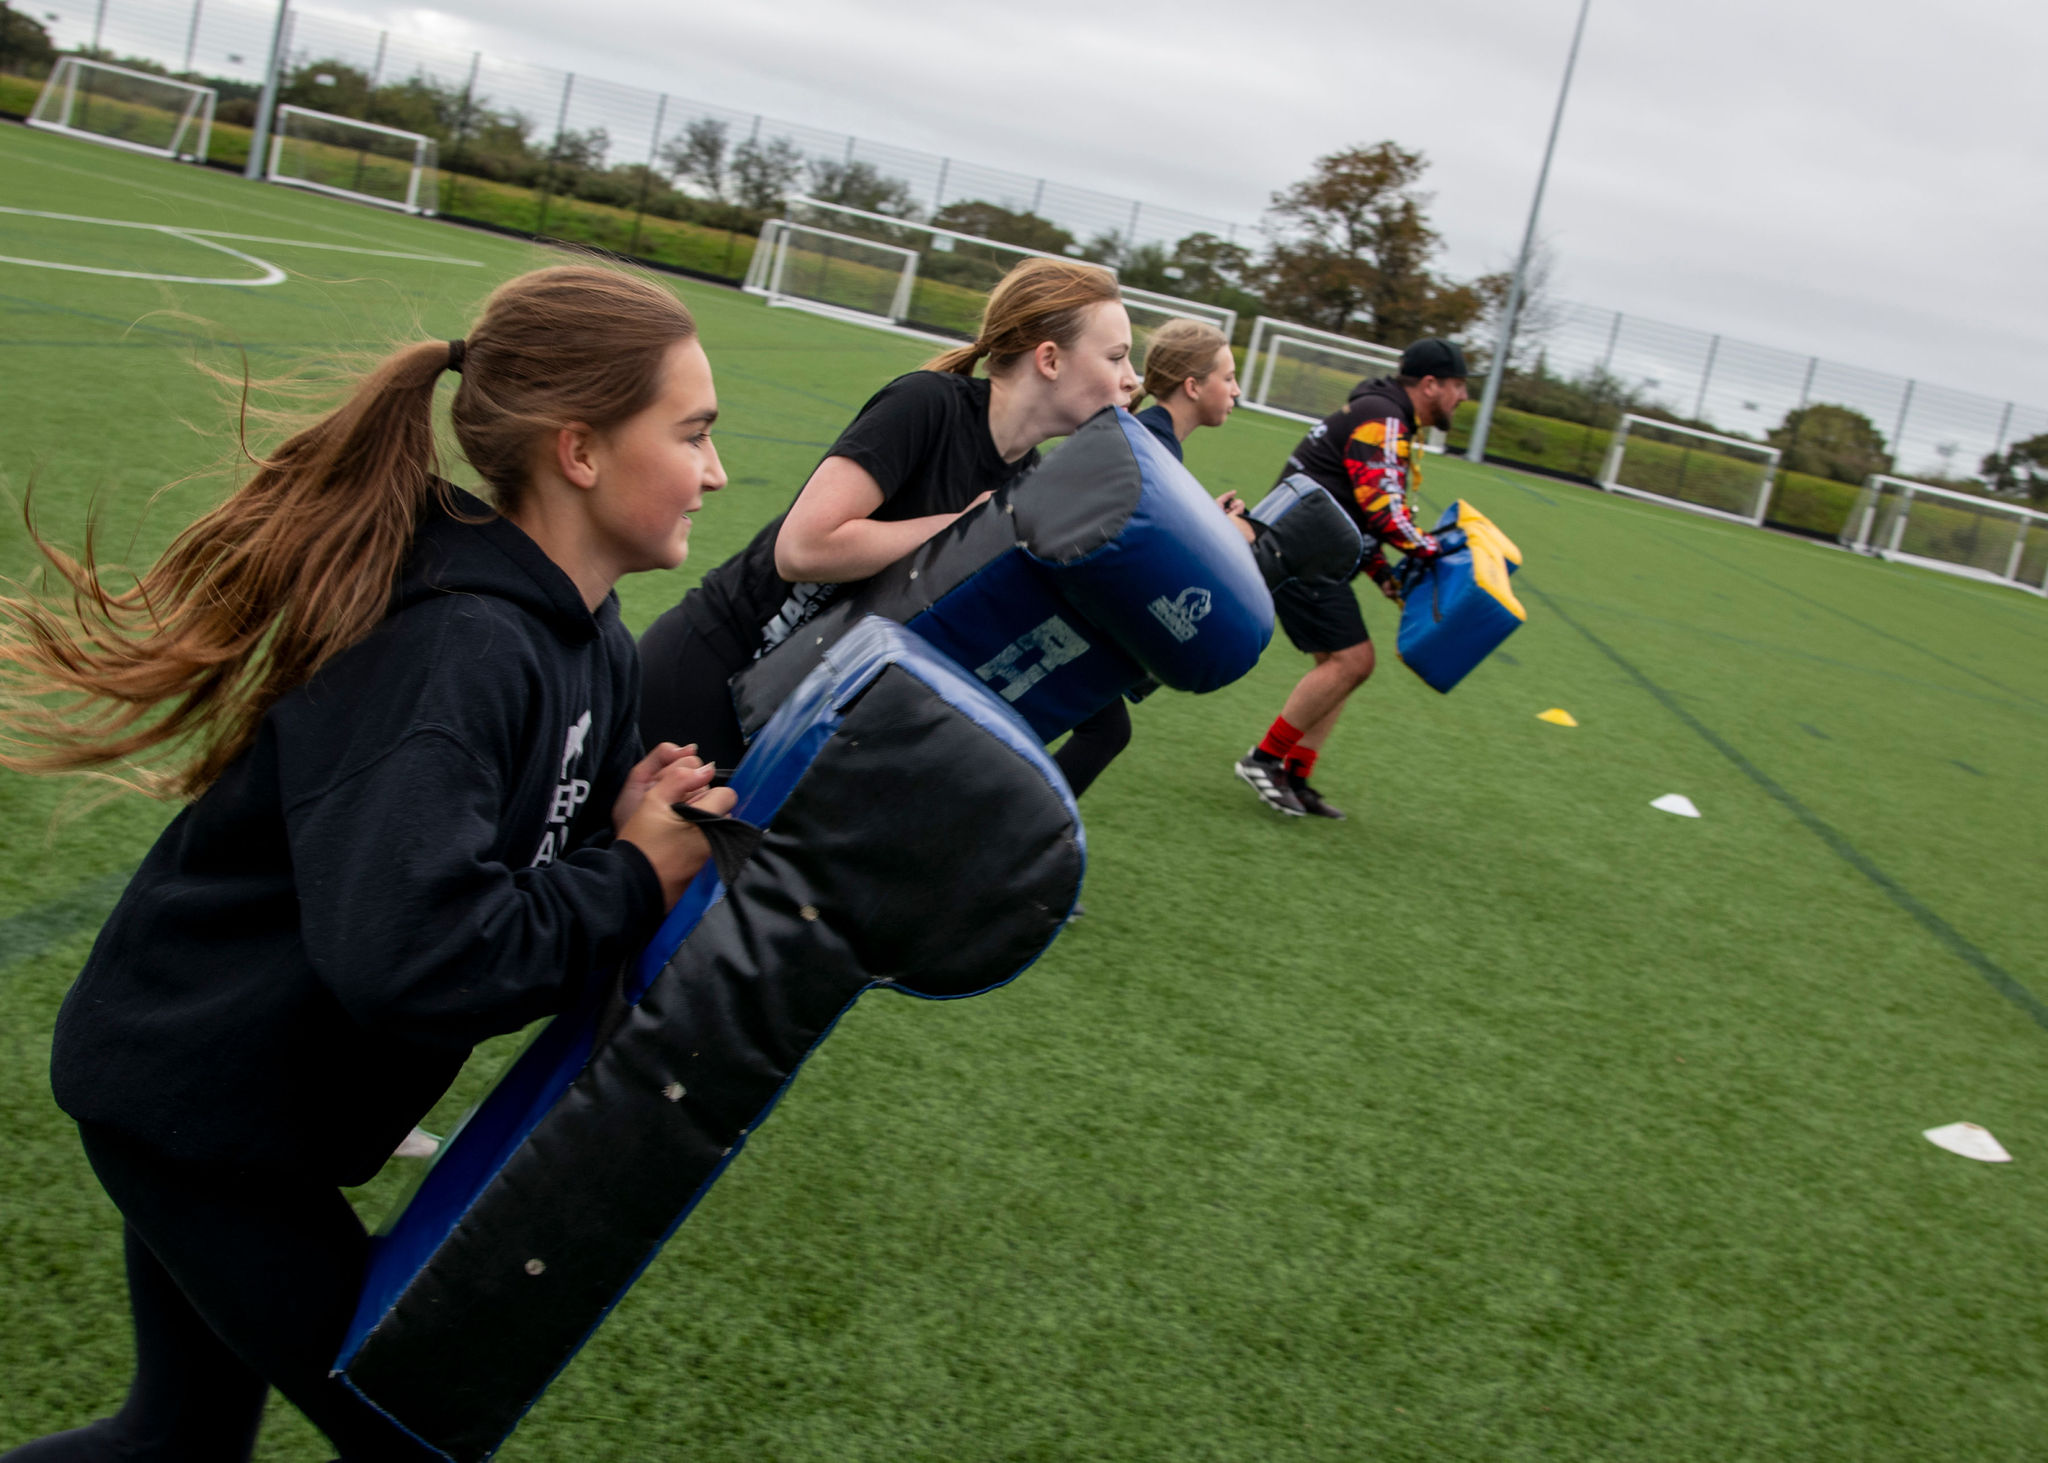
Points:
[(1557, 717)]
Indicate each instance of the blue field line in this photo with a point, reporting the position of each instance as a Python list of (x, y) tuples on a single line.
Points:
[(29, 934), (849, 407), (1952, 939), (1860, 623), (1691, 627), (1513, 481), (784, 441)]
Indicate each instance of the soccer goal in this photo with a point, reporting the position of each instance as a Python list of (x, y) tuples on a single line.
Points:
[(1300, 372), (1702, 472), (842, 276), (123, 108), (352, 159), (1149, 310), (1957, 533)]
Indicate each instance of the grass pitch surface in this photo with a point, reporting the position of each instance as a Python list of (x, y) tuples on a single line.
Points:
[(1509, 1119)]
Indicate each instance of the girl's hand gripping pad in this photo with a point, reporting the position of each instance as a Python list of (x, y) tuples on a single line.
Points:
[(1106, 565), (915, 836)]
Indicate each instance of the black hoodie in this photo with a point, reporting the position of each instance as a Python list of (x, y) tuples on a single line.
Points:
[(415, 854)]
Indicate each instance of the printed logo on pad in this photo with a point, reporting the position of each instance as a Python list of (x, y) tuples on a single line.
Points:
[(1180, 614), (1034, 655)]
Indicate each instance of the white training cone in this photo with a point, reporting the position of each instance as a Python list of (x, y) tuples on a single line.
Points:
[(1969, 1140), (418, 1144), (1675, 802)]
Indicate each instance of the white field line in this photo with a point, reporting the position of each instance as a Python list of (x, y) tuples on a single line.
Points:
[(271, 273), (156, 188), (184, 231)]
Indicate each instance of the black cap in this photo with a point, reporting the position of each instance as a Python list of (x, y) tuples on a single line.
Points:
[(1434, 357)]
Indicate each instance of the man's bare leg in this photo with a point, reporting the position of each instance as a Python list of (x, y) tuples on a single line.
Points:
[(1318, 698)]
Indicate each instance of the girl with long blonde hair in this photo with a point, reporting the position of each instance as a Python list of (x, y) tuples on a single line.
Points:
[(404, 723), (1056, 344)]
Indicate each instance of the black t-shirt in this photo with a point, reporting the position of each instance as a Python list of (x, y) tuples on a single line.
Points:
[(924, 439)]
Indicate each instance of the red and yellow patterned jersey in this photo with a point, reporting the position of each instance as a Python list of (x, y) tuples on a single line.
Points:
[(1367, 458)]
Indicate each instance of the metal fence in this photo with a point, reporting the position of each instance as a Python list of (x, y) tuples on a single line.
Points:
[(230, 38), (1735, 386), (1747, 389)]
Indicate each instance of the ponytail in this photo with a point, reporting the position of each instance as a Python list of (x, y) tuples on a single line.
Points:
[(1039, 300), (1178, 350), (299, 563)]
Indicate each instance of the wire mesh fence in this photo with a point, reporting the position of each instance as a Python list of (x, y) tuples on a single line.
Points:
[(687, 184)]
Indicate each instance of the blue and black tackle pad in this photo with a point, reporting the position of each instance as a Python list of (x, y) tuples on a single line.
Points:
[(1106, 565), (1305, 535), (912, 835), (1460, 606)]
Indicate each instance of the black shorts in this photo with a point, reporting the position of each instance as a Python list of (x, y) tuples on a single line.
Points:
[(686, 671), (1320, 617)]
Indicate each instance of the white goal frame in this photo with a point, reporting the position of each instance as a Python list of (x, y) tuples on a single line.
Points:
[(58, 103), (787, 233), (1171, 307), (424, 159), (1261, 357), (1610, 472), (1872, 531), (847, 222)]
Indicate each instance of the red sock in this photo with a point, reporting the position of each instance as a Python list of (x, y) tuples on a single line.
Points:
[(1301, 762), (1278, 742)]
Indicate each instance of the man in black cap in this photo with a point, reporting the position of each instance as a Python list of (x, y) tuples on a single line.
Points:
[(1368, 458)]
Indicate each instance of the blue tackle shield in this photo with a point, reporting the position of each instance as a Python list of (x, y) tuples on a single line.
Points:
[(907, 831), (1104, 566), (1461, 606)]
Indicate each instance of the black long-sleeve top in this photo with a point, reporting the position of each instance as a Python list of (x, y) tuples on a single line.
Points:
[(414, 855)]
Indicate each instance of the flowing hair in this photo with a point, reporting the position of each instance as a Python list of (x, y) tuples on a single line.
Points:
[(1039, 300), (1179, 350), (174, 674)]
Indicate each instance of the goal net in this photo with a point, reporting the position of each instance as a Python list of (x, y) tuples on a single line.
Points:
[(352, 159), (1149, 310), (1958, 533), (124, 108), (1300, 372), (1724, 477), (840, 275), (955, 271)]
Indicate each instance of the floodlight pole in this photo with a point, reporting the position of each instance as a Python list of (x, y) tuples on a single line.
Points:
[(1475, 449), (259, 142)]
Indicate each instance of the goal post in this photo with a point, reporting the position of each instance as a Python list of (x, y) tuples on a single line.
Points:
[(840, 275), (349, 158), (1702, 472), (1302, 373), (954, 271), (136, 110), (1907, 522), (1149, 310)]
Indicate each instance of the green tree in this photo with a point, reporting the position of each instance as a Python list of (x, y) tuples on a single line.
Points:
[(699, 154), (764, 172), (860, 185), (1830, 441), (2021, 471), (1355, 244), (1005, 225), (25, 48)]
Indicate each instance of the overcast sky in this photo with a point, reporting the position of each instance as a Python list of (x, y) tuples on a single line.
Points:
[(1864, 181)]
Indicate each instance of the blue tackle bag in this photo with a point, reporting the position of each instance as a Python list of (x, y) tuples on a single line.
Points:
[(1460, 607)]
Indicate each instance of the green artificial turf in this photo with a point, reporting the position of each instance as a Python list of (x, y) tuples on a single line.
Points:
[(1510, 1119)]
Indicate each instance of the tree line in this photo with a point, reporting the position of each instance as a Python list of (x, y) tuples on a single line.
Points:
[(1349, 248)]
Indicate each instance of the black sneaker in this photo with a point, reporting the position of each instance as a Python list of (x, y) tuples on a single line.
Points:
[(1312, 802), (1267, 777)]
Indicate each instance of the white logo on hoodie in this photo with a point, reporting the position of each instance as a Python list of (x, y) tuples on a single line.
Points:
[(570, 794)]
